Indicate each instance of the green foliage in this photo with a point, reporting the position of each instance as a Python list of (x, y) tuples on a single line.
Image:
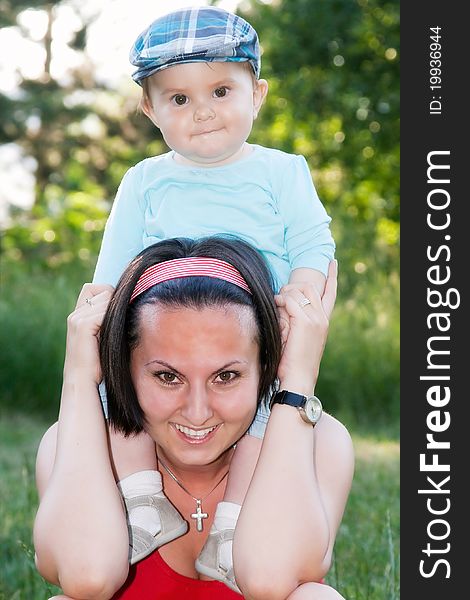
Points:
[(66, 229), (9, 9), (332, 68)]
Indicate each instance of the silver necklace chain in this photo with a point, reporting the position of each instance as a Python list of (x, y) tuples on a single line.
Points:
[(199, 515)]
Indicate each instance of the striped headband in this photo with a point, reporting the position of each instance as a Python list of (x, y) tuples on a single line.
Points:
[(188, 267)]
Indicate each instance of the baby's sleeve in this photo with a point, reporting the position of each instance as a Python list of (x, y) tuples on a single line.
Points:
[(123, 234), (307, 234)]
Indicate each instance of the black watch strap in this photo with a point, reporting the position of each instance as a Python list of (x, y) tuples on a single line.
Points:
[(289, 398)]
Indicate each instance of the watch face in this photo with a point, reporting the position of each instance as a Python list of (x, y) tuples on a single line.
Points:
[(313, 409)]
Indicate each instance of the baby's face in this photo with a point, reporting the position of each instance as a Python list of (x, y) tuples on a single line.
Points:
[(205, 111)]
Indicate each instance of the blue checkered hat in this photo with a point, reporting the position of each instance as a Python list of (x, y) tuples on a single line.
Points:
[(202, 33)]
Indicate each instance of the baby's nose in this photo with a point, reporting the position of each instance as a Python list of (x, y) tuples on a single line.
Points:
[(203, 112)]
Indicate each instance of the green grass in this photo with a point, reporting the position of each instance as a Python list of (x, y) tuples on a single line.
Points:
[(366, 561), (19, 439), (33, 310), (366, 565)]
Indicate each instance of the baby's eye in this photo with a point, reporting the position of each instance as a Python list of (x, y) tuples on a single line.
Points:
[(226, 376), (180, 99), (220, 92)]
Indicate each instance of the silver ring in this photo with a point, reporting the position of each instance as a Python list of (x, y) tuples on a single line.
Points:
[(88, 301), (304, 302)]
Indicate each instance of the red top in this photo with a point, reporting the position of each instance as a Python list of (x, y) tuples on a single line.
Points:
[(153, 579)]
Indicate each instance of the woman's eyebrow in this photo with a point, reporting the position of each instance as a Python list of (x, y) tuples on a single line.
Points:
[(218, 370), (163, 364), (231, 363)]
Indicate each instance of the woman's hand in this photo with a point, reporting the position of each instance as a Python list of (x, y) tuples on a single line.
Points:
[(83, 326), (304, 331)]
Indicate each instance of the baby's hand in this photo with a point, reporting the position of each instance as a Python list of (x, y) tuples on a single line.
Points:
[(302, 276)]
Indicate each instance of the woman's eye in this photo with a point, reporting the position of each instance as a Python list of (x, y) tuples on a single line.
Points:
[(226, 376), (220, 92), (180, 99), (167, 377)]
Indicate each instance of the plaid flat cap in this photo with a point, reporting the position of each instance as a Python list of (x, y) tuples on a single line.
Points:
[(202, 33)]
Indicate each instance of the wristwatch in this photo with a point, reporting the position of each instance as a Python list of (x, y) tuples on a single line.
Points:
[(309, 407)]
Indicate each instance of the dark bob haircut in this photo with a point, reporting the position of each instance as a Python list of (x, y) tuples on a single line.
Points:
[(119, 333)]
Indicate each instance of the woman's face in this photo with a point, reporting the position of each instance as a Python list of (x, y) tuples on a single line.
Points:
[(196, 375)]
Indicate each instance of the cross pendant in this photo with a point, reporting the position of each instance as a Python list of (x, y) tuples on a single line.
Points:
[(199, 515)]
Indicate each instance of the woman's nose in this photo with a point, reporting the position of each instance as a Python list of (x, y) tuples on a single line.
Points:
[(197, 409), (203, 112)]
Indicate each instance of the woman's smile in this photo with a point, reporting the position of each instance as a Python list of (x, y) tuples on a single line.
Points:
[(195, 436)]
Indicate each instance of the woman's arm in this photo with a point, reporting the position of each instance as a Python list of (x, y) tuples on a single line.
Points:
[(80, 532), (295, 502)]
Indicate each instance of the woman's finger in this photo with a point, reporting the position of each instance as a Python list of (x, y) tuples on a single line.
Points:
[(93, 305), (306, 296), (90, 290)]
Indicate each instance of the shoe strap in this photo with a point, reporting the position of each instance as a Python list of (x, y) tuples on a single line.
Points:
[(144, 500), (226, 535)]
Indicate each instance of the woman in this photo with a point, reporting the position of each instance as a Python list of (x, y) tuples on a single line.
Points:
[(189, 344)]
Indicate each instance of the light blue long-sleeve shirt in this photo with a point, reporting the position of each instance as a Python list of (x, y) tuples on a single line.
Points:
[(267, 198)]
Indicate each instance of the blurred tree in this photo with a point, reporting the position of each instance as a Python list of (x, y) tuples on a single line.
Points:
[(332, 66), (82, 137), (9, 9)]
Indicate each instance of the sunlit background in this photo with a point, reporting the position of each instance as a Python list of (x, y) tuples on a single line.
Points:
[(114, 24)]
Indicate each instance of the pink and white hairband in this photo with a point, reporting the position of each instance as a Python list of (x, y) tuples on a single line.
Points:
[(197, 266)]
